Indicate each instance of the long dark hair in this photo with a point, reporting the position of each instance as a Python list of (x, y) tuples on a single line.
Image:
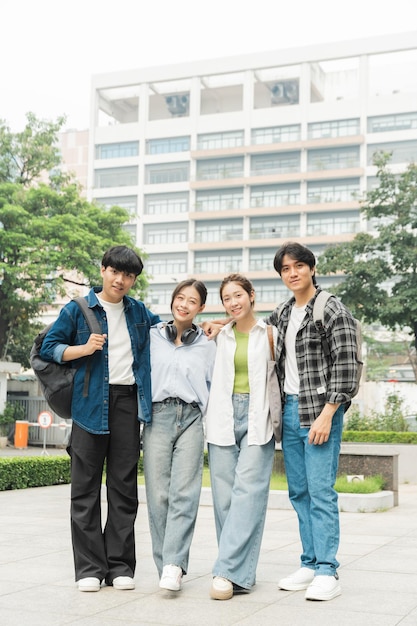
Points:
[(191, 282)]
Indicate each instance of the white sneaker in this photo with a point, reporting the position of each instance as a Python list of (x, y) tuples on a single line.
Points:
[(89, 584), (297, 581), (323, 588), (123, 582), (171, 578), (221, 589)]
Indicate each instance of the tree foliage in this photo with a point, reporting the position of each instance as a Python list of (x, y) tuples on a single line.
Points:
[(380, 266), (50, 236)]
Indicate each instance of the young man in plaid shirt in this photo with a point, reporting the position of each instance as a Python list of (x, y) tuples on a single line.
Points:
[(316, 392)]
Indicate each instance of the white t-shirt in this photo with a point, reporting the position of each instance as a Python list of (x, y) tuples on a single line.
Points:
[(292, 379), (119, 346)]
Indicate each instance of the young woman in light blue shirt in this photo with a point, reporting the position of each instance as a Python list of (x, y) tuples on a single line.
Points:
[(182, 360)]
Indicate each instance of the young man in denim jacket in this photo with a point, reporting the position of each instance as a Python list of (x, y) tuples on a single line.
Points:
[(106, 422)]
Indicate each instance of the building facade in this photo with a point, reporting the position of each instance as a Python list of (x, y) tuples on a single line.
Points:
[(221, 161)]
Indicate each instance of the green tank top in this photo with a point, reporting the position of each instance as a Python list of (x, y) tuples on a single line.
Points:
[(241, 362)]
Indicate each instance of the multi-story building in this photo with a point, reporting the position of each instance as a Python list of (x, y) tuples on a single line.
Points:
[(221, 161)]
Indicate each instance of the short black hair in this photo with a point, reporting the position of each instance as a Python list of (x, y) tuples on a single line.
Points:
[(123, 259), (295, 251)]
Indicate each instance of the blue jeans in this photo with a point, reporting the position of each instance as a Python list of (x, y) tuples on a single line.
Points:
[(240, 478), (173, 448), (311, 473)]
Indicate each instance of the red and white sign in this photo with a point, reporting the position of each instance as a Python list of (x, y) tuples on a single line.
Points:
[(45, 419)]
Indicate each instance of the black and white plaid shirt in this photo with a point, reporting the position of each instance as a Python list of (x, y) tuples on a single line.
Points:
[(321, 380)]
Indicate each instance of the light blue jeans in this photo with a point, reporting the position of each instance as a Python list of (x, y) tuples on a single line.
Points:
[(173, 448), (240, 478), (311, 473)]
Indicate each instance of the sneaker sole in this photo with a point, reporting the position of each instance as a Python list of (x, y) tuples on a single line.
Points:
[(89, 589), (324, 596), (124, 587), (294, 587), (216, 594)]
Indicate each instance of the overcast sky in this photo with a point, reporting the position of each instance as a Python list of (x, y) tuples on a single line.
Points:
[(49, 49)]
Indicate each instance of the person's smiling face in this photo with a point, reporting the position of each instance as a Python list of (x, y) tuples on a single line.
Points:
[(116, 284)]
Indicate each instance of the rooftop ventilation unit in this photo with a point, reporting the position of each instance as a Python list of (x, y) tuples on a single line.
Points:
[(285, 92), (177, 105)]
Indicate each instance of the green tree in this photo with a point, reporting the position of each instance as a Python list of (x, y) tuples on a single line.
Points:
[(380, 267), (50, 236)]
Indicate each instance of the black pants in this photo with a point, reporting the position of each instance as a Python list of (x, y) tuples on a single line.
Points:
[(106, 553)]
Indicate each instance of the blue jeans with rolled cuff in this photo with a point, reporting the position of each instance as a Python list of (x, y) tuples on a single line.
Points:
[(311, 474)]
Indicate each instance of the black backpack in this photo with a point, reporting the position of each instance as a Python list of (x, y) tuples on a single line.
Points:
[(57, 380)]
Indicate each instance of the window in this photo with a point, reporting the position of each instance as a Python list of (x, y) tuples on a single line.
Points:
[(386, 123), (165, 233), (126, 202), (275, 195), (334, 128), (281, 163), (333, 191), (262, 259), (276, 134), (117, 150), (219, 200), (226, 230), (116, 177), (214, 169), (159, 295), (166, 264), (332, 224), (213, 141), (269, 227), (217, 262), (402, 151), (159, 204), (270, 291), (167, 173), (164, 146), (333, 158)]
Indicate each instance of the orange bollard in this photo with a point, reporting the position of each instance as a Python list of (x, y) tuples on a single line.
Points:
[(21, 434)]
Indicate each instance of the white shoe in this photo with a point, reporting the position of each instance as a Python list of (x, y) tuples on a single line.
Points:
[(123, 582), (89, 584), (221, 589), (297, 581), (171, 578), (323, 588)]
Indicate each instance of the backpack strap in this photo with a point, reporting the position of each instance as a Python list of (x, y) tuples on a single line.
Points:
[(318, 318), (94, 327)]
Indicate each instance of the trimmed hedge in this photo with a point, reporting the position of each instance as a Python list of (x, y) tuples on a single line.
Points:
[(34, 471), (375, 436)]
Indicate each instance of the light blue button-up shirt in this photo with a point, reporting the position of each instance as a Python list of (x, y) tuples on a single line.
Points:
[(182, 371)]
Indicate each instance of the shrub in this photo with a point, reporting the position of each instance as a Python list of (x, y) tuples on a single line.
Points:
[(34, 471), (391, 420)]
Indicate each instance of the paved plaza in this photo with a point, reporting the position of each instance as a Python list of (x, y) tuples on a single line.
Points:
[(378, 573)]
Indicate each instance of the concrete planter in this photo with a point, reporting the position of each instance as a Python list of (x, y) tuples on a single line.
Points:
[(348, 502)]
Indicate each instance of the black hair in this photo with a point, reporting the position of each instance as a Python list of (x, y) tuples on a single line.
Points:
[(123, 259), (295, 251), (240, 280), (191, 282)]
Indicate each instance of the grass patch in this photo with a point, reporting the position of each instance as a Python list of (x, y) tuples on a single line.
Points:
[(372, 484)]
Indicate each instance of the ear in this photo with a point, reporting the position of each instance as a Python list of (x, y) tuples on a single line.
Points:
[(203, 306)]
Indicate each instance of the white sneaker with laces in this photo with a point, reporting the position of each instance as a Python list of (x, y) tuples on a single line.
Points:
[(297, 581), (171, 578), (89, 584), (221, 588), (123, 582), (323, 588)]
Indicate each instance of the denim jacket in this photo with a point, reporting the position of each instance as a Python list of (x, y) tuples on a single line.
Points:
[(91, 412)]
